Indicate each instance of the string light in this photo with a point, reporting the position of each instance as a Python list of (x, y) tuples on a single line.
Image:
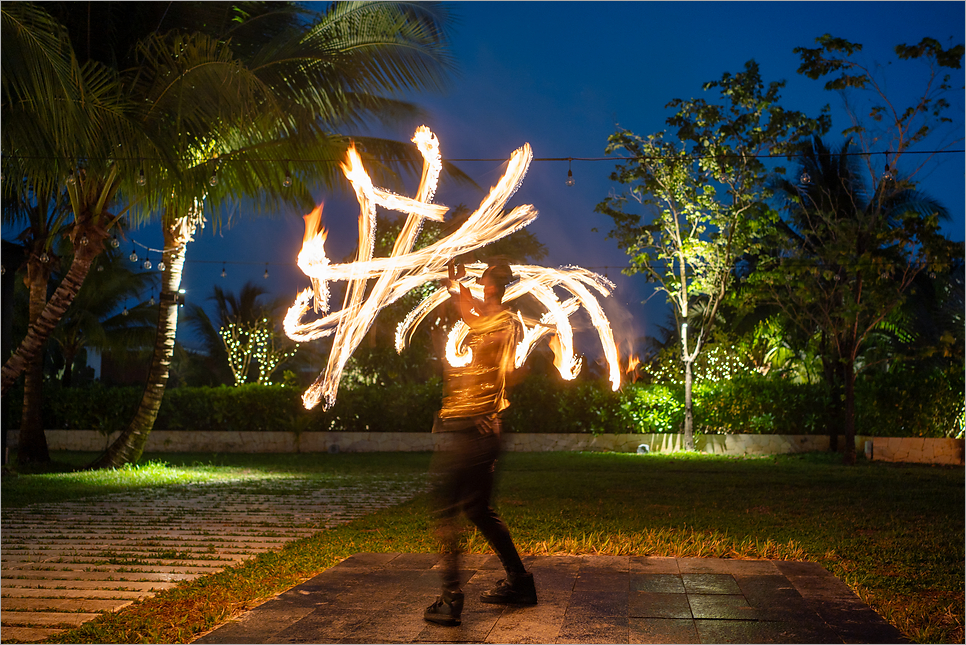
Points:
[(115, 242), (224, 273), (783, 155), (570, 173), (147, 264), (151, 301), (141, 179), (288, 179), (805, 178), (134, 256), (213, 180), (266, 271), (161, 264), (887, 174)]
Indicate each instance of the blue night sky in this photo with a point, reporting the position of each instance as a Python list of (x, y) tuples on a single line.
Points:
[(562, 76)]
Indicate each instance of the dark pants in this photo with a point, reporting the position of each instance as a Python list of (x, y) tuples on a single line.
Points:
[(463, 468)]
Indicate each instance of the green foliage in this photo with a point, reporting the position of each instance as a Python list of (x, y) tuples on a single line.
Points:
[(718, 362), (909, 404), (546, 404), (753, 405), (654, 408), (887, 404)]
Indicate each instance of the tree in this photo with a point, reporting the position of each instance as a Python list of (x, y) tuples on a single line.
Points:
[(864, 241), (243, 332), (707, 196), (99, 318), (262, 92), (846, 261), (63, 123)]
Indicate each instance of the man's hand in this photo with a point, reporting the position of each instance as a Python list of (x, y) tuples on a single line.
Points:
[(456, 271)]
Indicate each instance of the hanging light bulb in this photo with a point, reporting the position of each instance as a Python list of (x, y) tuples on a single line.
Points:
[(141, 179), (84, 241), (71, 179), (151, 301), (134, 256), (115, 242), (266, 271), (288, 179), (805, 178), (125, 312), (44, 257), (570, 174), (224, 273), (887, 174), (161, 265), (213, 180), (100, 267), (147, 264)]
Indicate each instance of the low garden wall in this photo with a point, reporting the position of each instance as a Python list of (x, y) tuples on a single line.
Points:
[(896, 449)]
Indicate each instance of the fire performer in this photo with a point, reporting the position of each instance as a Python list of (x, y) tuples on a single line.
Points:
[(474, 395)]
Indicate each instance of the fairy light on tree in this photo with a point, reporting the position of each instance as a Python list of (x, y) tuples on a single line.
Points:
[(238, 343), (257, 342), (267, 354)]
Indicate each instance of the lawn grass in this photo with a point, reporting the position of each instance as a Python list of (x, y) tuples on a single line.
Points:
[(893, 533)]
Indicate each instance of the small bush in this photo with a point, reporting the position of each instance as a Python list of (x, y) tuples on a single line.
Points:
[(898, 404)]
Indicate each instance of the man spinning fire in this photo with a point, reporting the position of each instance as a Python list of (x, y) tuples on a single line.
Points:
[(474, 395)]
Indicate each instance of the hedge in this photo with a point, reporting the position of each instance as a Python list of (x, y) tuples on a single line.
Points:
[(886, 405)]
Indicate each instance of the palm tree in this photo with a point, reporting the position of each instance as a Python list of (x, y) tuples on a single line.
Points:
[(256, 103), (63, 124), (848, 259), (96, 319)]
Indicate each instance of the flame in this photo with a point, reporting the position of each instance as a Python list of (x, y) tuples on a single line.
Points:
[(456, 354), (405, 269), (312, 259), (632, 362)]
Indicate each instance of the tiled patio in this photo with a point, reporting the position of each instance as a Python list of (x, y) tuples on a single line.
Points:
[(380, 597)]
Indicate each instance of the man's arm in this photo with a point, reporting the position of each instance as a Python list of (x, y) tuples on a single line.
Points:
[(467, 305)]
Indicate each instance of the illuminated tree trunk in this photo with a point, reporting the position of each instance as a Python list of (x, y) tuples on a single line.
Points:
[(688, 406), (129, 446), (32, 447)]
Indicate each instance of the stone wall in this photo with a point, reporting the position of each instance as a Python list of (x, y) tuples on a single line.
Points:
[(911, 450)]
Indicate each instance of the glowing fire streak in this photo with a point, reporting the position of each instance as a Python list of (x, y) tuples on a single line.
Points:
[(405, 269)]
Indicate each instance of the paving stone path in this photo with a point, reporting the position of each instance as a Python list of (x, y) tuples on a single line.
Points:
[(65, 563), (380, 597)]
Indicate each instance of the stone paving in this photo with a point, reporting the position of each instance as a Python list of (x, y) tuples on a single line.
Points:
[(64, 563), (380, 597)]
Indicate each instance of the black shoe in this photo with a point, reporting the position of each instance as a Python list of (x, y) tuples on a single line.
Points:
[(519, 592), (446, 610)]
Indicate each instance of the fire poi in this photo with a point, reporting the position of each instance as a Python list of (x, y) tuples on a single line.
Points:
[(405, 269)]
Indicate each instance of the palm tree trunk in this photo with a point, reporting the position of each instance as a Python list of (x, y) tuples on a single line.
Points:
[(32, 447), (41, 327), (129, 446)]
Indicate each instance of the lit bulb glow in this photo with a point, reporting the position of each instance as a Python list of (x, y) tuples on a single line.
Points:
[(405, 269)]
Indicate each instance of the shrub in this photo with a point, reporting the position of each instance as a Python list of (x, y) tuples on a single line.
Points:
[(756, 405), (653, 408), (895, 404), (546, 404)]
